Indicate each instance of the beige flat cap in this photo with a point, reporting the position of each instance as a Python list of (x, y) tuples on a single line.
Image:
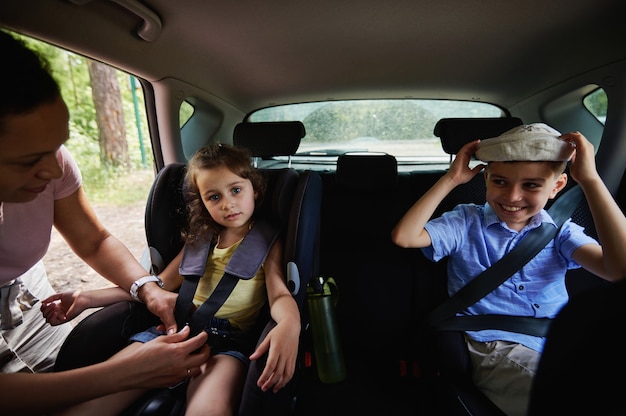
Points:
[(530, 142)]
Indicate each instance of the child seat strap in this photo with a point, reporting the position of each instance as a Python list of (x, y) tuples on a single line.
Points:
[(244, 264)]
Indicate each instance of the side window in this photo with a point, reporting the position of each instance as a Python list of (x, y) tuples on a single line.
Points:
[(198, 121), (114, 155), (185, 113), (597, 103)]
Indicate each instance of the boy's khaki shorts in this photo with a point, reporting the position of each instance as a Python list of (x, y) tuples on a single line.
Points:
[(504, 372)]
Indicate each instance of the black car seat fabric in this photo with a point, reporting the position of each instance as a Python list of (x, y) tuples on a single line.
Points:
[(271, 138), (363, 200), (361, 191), (457, 132), (165, 216), (573, 376)]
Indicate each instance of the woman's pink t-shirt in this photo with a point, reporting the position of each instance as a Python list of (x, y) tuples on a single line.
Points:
[(26, 228)]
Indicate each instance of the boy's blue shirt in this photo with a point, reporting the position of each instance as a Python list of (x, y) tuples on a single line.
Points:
[(473, 238)]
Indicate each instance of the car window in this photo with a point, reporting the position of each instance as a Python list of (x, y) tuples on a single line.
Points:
[(402, 128), (597, 103)]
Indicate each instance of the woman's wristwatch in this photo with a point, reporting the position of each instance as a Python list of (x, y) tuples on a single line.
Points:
[(134, 289)]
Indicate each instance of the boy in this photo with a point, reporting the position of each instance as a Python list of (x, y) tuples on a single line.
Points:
[(525, 168)]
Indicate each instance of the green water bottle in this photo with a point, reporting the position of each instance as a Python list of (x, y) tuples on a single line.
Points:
[(322, 296)]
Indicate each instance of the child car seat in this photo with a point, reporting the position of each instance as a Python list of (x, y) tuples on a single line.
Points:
[(292, 197)]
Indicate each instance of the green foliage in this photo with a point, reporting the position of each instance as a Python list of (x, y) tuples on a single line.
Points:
[(395, 120), (102, 183), (597, 103), (185, 113), (404, 127)]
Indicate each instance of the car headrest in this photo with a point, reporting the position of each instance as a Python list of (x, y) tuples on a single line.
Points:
[(266, 139), (454, 133), (367, 172)]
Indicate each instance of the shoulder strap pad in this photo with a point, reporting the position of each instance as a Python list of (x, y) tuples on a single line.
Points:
[(244, 264), (246, 260), (252, 251)]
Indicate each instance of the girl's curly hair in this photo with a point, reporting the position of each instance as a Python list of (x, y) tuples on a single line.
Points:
[(236, 159)]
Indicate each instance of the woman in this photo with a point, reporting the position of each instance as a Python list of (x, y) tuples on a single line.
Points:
[(40, 186)]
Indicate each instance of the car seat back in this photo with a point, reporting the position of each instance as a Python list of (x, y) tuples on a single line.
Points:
[(363, 200)]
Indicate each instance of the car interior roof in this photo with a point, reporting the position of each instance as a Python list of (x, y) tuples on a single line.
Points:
[(253, 54)]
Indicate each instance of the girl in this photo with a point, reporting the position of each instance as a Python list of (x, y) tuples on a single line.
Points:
[(222, 189)]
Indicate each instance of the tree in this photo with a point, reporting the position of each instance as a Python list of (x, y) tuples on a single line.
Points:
[(107, 100)]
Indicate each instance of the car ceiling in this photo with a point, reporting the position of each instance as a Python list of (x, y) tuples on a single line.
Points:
[(251, 54)]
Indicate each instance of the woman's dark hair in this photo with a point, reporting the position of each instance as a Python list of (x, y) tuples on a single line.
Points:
[(237, 160), (25, 79)]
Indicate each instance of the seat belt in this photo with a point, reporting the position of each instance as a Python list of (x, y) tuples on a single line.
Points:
[(244, 264), (444, 316)]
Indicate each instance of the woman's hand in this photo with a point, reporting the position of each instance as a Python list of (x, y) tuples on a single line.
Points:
[(163, 361)]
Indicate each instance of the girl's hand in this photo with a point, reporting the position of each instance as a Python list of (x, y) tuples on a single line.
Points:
[(282, 343), (62, 307)]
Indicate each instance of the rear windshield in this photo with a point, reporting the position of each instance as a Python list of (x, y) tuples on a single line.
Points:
[(402, 128)]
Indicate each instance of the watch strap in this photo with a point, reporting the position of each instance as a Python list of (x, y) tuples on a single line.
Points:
[(134, 289)]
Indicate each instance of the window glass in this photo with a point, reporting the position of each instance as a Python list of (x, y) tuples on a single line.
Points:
[(597, 103), (402, 128), (185, 112)]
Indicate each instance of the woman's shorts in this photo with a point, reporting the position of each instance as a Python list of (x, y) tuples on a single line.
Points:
[(28, 343), (223, 339)]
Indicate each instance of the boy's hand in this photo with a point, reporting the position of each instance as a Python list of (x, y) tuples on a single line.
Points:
[(583, 163), (460, 171)]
